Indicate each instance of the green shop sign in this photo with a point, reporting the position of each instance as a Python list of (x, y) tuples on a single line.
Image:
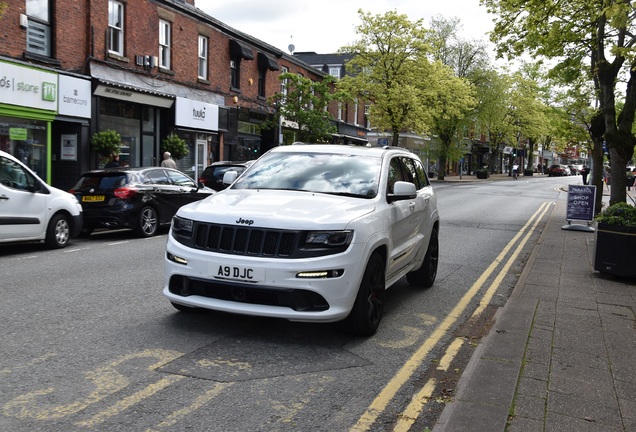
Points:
[(17, 134)]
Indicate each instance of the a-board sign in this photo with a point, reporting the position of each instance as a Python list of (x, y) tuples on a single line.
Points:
[(581, 201)]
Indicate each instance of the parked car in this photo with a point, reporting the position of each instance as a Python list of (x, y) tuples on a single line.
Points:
[(558, 170), (212, 176), (308, 233), (31, 210), (141, 199)]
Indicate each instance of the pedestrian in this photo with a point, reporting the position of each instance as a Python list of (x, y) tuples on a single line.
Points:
[(515, 171), (606, 176), (167, 161), (539, 169), (114, 161), (585, 171)]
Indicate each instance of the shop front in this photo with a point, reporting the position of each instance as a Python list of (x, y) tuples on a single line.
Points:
[(28, 105), (198, 124)]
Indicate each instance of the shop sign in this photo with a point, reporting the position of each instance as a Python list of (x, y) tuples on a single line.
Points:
[(197, 115), (28, 87), (75, 97), (17, 134)]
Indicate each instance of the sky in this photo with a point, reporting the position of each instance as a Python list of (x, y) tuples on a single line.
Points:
[(325, 26)]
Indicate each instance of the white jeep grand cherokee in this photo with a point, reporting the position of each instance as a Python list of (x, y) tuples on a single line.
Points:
[(308, 233)]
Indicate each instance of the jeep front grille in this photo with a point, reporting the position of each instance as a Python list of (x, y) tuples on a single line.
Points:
[(245, 241)]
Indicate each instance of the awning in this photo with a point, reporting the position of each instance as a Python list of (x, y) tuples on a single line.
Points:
[(266, 62), (237, 49), (152, 86)]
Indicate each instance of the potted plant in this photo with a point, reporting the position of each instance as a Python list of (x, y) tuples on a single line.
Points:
[(615, 246), (482, 173), (106, 142), (176, 145)]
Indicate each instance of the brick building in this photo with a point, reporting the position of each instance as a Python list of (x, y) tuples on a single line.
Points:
[(145, 68)]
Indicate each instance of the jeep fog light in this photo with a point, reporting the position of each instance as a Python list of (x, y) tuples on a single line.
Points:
[(324, 274), (176, 259)]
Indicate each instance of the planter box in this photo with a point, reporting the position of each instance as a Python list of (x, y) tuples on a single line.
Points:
[(615, 250), (481, 174)]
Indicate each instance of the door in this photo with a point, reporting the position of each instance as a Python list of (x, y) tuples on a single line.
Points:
[(200, 159), (23, 210)]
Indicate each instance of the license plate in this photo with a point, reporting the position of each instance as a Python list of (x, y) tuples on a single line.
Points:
[(93, 198), (239, 273)]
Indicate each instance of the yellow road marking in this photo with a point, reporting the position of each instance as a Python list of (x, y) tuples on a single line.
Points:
[(382, 400), (451, 352), (131, 400), (411, 413)]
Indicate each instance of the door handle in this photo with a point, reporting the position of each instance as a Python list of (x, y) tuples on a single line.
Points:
[(4, 197)]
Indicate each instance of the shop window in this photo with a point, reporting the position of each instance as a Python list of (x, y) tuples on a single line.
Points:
[(38, 28), (116, 27)]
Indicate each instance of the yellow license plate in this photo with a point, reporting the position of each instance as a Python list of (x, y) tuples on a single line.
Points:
[(93, 198)]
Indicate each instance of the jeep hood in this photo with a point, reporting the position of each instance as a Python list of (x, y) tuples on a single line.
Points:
[(278, 209)]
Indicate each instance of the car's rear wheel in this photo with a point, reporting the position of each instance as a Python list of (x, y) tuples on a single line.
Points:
[(425, 275), (148, 222), (58, 233), (366, 314)]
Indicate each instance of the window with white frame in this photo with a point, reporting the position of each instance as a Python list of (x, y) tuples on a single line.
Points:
[(203, 57), (284, 82), (339, 110), (355, 115), (116, 27), (334, 71), (164, 44)]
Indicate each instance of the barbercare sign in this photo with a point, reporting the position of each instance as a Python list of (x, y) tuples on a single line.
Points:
[(28, 87)]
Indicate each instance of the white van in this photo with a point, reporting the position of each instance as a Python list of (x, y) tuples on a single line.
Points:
[(31, 210)]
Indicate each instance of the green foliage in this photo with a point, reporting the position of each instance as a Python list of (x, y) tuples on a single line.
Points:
[(389, 67), (176, 145), (593, 40), (106, 142), (618, 214), (304, 107)]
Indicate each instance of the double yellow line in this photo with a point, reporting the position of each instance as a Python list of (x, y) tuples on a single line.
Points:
[(413, 410)]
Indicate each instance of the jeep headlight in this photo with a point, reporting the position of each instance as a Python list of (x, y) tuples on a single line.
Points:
[(329, 238), (182, 226)]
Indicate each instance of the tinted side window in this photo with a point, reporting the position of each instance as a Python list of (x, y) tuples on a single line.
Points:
[(395, 173), (420, 174), (180, 179), (409, 171), (156, 177)]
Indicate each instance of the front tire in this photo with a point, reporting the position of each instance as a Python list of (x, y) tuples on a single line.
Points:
[(58, 233), (426, 274), (147, 222), (366, 314)]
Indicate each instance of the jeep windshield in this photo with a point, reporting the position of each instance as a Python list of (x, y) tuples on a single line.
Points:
[(330, 173)]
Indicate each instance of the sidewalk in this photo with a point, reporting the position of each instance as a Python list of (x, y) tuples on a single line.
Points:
[(561, 355)]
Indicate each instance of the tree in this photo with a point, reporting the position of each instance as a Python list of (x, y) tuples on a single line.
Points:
[(598, 34), (389, 63), (455, 102), (495, 109), (305, 106)]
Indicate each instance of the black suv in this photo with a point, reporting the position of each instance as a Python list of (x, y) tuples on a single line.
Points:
[(212, 176), (141, 199)]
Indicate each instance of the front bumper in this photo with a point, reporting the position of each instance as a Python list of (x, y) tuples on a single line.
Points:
[(192, 279)]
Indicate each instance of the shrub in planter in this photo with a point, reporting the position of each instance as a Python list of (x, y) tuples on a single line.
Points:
[(106, 142), (482, 173), (615, 246), (176, 145)]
